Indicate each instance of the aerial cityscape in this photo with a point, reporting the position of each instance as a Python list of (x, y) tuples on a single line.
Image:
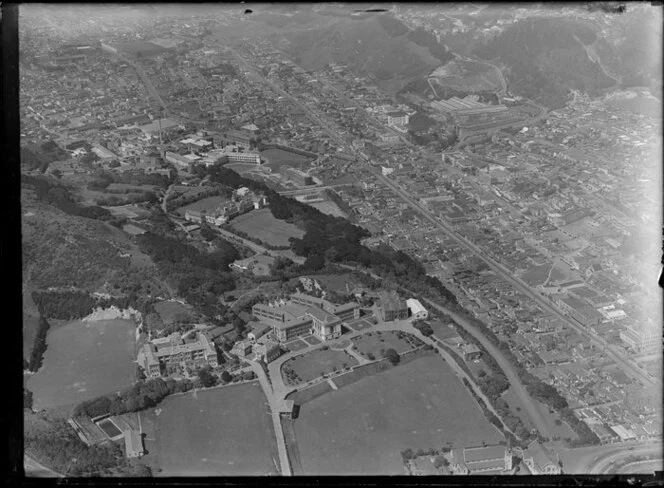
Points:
[(341, 239)]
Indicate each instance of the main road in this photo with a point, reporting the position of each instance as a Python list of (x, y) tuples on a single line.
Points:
[(600, 459), (514, 281), (505, 365)]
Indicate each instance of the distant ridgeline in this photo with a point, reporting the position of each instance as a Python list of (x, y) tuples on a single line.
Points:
[(546, 58), (336, 240), (420, 36)]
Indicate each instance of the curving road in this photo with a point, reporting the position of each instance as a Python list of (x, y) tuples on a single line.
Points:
[(504, 273)]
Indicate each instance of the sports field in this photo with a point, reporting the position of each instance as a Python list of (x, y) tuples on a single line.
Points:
[(376, 342), (208, 204), (317, 363), (224, 431), (276, 158), (84, 360), (262, 224), (169, 310), (367, 424)]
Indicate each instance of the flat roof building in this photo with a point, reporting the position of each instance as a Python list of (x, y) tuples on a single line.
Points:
[(133, 444)]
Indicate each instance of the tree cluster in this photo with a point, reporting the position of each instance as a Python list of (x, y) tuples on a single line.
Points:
[(422, 37), (58, 195), (61, 449), (75, 304), (39, 346), (200, 277), (144, 394), (392, 356)]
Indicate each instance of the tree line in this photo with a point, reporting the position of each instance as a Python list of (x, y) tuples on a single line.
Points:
[(336, 240), (61, 449), (58, 195), (76, 304), (39, 346), (144, 394)]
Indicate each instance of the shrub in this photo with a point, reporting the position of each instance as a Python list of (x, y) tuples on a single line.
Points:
[(392, 356)]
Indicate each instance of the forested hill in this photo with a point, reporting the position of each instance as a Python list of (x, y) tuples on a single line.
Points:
[(545, 58), (377, 45)]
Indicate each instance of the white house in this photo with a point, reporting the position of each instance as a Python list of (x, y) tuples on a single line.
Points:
[(416, 309)]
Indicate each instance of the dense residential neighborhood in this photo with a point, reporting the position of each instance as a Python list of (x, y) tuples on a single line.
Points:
[(244, 234)]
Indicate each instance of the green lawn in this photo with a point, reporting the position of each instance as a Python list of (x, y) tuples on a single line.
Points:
[(262, 225), (169, 309), (363, 427), (84, 360), (316, 363), (221, 432), (375, 342), (276, 158), (208, 204)]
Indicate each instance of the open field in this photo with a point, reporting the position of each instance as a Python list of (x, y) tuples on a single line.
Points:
[(276, 158), (262, 224), (329, 208), (84, 360), (295, 345), (208, 204), (224, 431), (536, 275), (367, 424), (142, 48), (376, 342), (467, 76), (335, 282), (168, 310), (316, 363)]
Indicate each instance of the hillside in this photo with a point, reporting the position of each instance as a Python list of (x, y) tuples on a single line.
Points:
[(632, 50), (545, 59), (61, 250), (371, 45)]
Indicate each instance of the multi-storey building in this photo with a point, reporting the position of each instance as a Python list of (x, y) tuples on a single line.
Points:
[(482, 460), (392, 307), (269, 351), (397, 118), (172, 353), (642, 338), (305, 314)]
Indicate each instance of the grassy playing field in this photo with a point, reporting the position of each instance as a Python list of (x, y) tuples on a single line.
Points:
[(262, 224), (376, 342), (367, 424), (225, 431), (316, 363), (276, 158), (208, 204), (84, 360)]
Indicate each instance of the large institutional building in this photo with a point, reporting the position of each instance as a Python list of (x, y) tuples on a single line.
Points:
[(392, 307), (482, 460), (305, 314), (243, 201), (173, 353)]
